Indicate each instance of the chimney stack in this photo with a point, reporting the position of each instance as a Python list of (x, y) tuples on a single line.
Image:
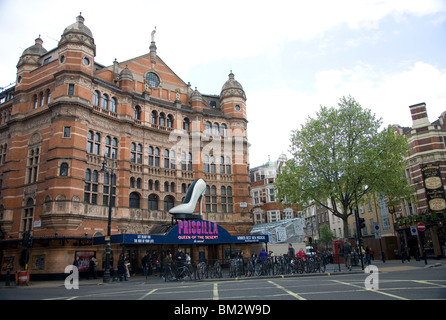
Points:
[(419, 115)]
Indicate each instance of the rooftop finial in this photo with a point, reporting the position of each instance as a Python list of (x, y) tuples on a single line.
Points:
[(153, 34)]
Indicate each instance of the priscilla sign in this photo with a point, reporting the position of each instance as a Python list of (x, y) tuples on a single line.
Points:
[(187, 232)]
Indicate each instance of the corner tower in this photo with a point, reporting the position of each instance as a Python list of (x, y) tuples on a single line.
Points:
[(77, 47), (233, 98)]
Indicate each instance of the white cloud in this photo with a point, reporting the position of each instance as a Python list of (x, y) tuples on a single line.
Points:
[(273, 114)]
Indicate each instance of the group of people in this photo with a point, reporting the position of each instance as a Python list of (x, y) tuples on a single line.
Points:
[(348, 253), (181, 259)]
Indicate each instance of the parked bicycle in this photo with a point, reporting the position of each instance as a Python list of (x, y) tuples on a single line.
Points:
[(214, 270), (184, 273), (201, 270), (235, 267)]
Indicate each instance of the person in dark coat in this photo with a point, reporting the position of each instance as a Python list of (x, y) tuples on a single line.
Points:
[(122, 269)]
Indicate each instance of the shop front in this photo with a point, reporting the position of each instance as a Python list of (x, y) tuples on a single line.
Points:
[(200, 239)]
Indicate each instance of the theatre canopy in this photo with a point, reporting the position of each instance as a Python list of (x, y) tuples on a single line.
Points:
[(186, 232)]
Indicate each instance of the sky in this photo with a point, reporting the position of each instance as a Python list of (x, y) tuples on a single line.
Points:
[(291, 57)]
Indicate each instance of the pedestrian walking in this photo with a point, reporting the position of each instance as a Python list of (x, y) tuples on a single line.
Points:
[(347, 249), (168, 264), (291, 252), (367, 255), (404, 255), (122, 269), (144, 263), (92, 269)]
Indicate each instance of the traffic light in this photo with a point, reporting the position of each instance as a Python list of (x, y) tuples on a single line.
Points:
[(361, 223), (27, 240)]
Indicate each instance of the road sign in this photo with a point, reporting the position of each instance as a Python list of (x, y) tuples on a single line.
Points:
[(421, 226), (413, 230), (377, 231)]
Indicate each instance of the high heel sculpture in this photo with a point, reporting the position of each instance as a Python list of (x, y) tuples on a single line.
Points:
[(194, 194)]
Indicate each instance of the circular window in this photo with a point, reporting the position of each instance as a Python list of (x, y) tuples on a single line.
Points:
[(153, 80), (237, 107), (86, 61)]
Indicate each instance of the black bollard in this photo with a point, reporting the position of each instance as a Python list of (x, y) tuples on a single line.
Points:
[(8, 280)]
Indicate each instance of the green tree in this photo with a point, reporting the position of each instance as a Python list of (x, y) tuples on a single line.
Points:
[(326, 236), (341, 155)]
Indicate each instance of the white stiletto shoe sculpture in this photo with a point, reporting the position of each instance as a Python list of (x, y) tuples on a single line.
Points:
[(194, 194)]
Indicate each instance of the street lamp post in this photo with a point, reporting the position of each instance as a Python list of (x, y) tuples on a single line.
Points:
[(104, 170)]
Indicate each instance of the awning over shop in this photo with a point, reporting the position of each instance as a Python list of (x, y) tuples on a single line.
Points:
[(185, 232)]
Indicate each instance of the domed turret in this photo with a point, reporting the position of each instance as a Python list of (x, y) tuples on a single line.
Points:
[(78, 32), (232, 88), (233, 98), (126, 74), (196, 100), (32, 54), (126, 79)]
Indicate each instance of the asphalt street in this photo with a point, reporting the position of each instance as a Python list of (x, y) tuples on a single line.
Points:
[(389, 281)]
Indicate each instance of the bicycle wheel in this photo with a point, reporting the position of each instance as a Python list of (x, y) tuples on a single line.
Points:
[(300, 266), (188, 275), (218, 272), (168, 275), (322, 265), (258, 270)]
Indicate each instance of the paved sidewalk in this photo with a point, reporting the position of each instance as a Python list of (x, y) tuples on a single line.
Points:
[(332, 269)]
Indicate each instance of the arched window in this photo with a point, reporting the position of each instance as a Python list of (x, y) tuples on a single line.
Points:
[(224, 200), (134, 200), (162, 119), (96, 98), (229, 199), (166, 159), (48, 96), (154, 118), (222, 165), (137, 115), (224, 130), (169, 121), (97, 141), (228, 165), (132, 182), (186, 124), (211, 199), (157, 157), (153, 202), (216, 129), (28, 215), (113, 104), (189, 162), (63, 171), (104, 103), (133, 152), (35, 101), (41, 99), (168, 203), (206, 163), (150, 157), (172, 159), (212, 160), (208, 128)]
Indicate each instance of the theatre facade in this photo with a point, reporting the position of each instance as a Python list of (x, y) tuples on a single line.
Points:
[(79, 138)]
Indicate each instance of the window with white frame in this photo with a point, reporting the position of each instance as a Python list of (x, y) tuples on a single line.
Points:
[(273, 215)]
